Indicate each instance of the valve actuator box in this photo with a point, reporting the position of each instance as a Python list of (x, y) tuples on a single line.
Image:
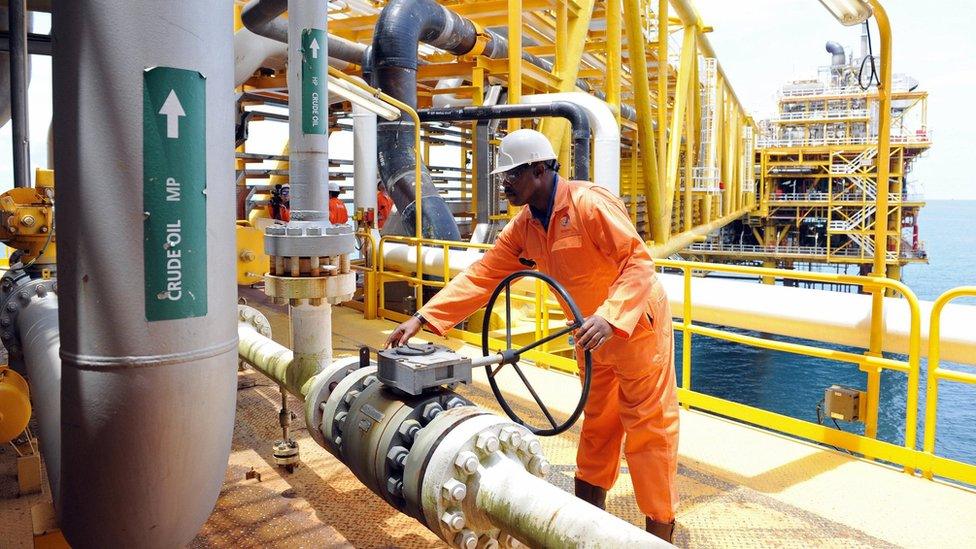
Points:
[(843, 403), (416, 368)]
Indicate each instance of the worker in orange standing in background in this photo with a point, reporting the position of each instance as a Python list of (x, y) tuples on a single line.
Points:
[(278, 205), (384, 205), (338, 214), (581, 235)]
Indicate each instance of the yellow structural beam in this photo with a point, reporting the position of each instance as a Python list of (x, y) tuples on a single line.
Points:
[(658, 226), (682, 97)]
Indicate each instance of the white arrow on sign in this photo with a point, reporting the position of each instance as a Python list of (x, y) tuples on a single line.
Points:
[(172, 110), (314, 46)]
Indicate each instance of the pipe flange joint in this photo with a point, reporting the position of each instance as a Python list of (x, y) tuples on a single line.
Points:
[(321, 388), (254, 318), (15, 296), (309, 239)]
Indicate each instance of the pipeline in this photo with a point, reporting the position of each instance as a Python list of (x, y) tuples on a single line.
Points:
[(574, 113), (17, 18), (458, 469), (146, 407), (263, 18)]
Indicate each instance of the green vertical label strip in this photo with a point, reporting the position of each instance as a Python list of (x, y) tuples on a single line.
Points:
[(174, 193), (314, 74)]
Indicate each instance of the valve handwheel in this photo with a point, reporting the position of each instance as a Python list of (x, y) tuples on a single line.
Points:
[(511, 356)]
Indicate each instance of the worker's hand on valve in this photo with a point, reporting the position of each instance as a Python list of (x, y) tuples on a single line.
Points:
[(402, 334), (594, 332)]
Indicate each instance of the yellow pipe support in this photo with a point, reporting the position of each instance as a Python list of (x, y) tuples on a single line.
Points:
[(681, 99), (15, 406), (935, 373), (514, 59), (614, 47), (578, 26), (884, 139), (662, 91), (679, 241), (657, 227)]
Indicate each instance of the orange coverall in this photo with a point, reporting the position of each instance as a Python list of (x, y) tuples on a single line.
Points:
[(384, 205), (593, 250), (337, 211)]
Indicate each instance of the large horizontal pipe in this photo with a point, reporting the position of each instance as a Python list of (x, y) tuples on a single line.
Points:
[(575, 114), (830, 317)]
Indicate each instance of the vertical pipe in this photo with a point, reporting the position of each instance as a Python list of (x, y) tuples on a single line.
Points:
[(17, 18), (308, 153), (364, 175), (614, 69), (147, 407), (311, 341), (880, 217), (514, 59), (662, 91)]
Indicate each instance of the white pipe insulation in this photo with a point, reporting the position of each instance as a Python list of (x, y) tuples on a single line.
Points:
[(364, 174), (830, 317), (606, 134)]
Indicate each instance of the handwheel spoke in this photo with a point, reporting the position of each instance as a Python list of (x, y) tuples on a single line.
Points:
[(535, 395), (492, 373), (508, 316), (547, 339)]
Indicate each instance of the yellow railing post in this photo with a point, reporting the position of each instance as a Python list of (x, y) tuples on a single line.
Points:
[(686, 332), (935, 373)]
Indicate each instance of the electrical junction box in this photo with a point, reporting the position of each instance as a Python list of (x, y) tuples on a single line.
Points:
[(844, 403), (416, 368)]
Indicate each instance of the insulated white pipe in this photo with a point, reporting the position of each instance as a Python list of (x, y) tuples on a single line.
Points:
[(606, 134), (311, 334), (364, 174), (253, 51), (542, 515), (830, 317)]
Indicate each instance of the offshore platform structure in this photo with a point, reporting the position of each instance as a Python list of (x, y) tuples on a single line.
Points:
[(818, 175)]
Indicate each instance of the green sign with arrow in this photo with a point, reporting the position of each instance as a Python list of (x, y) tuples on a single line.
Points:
[(314, 75), (174, 193)]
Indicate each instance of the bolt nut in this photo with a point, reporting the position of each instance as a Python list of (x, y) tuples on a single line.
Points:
[(466, 540), (467, 463), (11, 306), (454, 490), (487, 542), (5, 321), (293, 231), (531, 446), (369, 380), (247, 256), (511, 438), (350, 396), (539, 466), (455, 402), (453, 520), (24, 296), (408, 429), (41, 291), (340, 420), (314, 231), (394, 487), (28, 221), (431, 410), (397, 456), (487, 443)]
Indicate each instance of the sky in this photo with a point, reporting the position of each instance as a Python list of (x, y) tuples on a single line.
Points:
[(761, 44)]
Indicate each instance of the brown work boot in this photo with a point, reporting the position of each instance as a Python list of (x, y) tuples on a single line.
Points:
[(663, 530), (594, 495)]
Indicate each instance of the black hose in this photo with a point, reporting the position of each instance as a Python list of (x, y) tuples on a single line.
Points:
[(17, 20), (873, 78), (574, 113)]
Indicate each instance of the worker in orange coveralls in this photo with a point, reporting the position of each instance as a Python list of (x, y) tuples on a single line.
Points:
[(581, 235), (384, 205), (338, 213)]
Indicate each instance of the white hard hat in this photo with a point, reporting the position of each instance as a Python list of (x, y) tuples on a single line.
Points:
[(334, 187), (522, 147)]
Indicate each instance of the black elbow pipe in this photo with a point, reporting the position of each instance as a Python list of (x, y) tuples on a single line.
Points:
[(563, 109), (262, 17)]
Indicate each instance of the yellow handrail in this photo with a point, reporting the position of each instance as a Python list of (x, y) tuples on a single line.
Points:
[(905, 455), (934, 375)]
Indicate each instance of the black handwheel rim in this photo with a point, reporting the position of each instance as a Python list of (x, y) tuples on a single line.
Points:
[(555, 429)]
